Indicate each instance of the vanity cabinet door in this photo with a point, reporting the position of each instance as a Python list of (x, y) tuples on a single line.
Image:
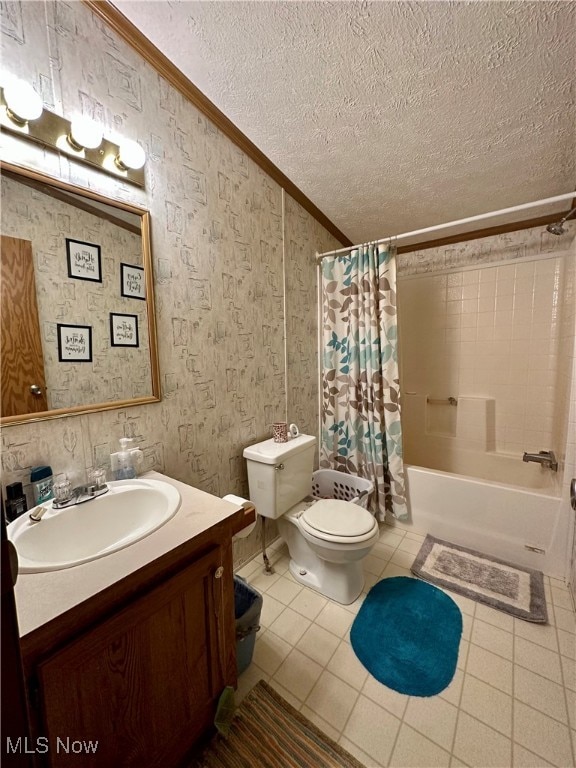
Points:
[(142, 684)]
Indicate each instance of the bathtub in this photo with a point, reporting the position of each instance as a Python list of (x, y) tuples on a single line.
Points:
[(497, 519)]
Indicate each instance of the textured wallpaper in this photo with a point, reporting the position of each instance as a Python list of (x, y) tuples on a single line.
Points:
[(116, 372), (234, 274), (303, 237), (525, 243)]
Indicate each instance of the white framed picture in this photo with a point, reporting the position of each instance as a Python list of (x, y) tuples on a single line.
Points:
[(74, 343), (132, 282), (123, 330), (84, 260)]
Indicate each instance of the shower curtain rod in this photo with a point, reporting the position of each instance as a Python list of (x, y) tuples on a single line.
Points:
[(479, 217)]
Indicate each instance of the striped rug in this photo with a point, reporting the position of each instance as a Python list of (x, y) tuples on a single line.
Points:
[(268, 731)]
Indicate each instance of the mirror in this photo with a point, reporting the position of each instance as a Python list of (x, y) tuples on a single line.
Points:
[(77, 303)]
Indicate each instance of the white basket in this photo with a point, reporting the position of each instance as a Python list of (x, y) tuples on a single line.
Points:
[(331, 484)]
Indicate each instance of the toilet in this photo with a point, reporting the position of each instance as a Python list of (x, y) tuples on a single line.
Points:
[(327, 539)]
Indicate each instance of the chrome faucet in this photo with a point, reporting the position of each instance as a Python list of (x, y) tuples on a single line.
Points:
[(545, 458), (79, 495)]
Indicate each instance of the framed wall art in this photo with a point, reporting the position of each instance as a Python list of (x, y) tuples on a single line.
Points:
[(132, 282), (74, 343), (123, 330), (84, 260)]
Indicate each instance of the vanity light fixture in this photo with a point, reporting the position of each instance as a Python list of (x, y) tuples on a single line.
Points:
[(130, 155), (22, 102), (85, 134), (22, 114)]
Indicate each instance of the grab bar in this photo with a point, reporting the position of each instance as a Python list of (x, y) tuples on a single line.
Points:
[(437, 401)]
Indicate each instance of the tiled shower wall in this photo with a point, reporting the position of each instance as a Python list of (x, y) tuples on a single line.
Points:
[(566, 385), (569, 474), (233, 262), (567, 371), (491, 319)]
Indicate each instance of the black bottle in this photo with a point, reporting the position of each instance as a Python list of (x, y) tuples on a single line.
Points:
[(16, 503)]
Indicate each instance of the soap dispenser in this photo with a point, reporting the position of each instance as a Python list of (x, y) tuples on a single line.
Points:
[(124, 462)]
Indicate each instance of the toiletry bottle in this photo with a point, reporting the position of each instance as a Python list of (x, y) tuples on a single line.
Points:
[(125, 461), (42, 482), (16, 503), (137, 459)]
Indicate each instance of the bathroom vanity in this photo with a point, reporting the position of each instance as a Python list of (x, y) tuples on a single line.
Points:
[(133, 650)]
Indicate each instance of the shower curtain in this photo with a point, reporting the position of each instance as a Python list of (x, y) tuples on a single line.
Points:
[(361, 432)]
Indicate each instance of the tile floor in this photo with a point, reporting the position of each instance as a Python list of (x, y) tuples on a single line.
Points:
[(511, 703)]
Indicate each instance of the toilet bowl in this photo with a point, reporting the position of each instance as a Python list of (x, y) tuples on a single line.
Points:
[(329, 563), (327, 539)]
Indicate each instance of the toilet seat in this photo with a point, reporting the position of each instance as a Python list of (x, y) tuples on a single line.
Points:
[(340, 522)]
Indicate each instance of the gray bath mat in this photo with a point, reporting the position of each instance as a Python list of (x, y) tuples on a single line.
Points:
[(507, 587)]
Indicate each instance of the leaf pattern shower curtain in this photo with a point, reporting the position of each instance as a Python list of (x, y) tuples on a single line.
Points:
[(361, 432)]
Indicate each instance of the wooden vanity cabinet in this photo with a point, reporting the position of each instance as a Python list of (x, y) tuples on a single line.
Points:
[(144, 679)]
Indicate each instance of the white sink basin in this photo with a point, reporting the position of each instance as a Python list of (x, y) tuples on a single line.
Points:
[(130, 510)]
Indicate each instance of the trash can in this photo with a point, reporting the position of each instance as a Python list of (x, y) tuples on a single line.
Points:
[(247, 608)]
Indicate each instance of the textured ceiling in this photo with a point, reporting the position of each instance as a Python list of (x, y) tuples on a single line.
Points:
[(389, 116)]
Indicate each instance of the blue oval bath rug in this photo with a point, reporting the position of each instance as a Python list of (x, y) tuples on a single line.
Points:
[(407, 634)]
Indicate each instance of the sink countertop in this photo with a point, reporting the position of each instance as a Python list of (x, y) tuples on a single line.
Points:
[(41, 597)]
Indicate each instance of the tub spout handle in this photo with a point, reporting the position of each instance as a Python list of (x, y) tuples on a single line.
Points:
[(545, 458)]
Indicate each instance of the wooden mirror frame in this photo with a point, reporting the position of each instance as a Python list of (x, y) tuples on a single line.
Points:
[(155, 397)]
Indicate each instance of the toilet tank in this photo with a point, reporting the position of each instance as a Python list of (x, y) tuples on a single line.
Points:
[(280, 474)]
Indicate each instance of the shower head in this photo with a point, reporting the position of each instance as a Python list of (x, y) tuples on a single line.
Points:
[(557, 228)]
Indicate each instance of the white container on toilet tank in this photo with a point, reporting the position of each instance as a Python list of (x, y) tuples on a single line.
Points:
[(280, 474)]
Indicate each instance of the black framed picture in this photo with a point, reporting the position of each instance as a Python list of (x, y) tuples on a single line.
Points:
[(74, 343), (123, 330), (84, 260), (132, 282)]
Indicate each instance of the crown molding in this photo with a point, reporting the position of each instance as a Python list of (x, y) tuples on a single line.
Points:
[(140, 43), (478, 234)]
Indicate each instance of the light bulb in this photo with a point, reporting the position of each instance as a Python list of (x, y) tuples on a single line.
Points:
[(22, 101), (130, 155), (85, 133)]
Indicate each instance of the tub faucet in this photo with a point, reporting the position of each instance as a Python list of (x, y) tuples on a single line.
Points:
[(545, 458)]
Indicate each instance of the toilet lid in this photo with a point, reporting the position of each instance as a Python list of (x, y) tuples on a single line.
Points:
[(338, 518)]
